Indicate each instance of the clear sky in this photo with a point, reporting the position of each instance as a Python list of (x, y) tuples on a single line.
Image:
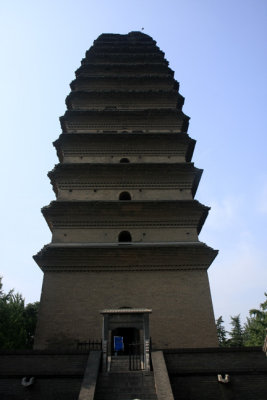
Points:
[(218, 50)]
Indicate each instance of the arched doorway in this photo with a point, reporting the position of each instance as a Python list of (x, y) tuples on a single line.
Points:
[(125, 236), (124, 160), (125, 196)]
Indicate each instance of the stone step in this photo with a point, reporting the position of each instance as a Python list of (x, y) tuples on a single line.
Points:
[(119, 363), (126, 385), (107, 395), (125, 396)]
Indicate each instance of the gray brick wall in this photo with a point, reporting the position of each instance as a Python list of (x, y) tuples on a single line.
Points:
[(193, 373)]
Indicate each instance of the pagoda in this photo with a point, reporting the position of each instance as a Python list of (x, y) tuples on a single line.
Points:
[(125, 259)]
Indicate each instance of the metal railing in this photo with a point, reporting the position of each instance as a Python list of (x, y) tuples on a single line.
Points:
[(135, 356), (90, 345)]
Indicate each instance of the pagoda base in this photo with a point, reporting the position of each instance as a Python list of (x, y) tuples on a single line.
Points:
[(71, 304)]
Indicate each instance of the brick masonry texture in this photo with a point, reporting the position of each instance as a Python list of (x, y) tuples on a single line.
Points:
[(193, 373), (57, 376), (67, 316)]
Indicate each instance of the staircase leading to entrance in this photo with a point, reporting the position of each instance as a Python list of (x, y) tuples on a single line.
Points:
[(126, 386), (119, 364), (126, 363), (122, 384)]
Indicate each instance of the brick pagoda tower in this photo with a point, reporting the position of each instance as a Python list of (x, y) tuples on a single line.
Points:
[(125, 223)]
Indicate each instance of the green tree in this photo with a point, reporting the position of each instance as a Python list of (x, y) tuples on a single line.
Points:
[(30, 320), (221, 332), (256, 325), (236, 334), (17, 322)]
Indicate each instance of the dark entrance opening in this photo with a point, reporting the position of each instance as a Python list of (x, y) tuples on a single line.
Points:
[(124, 160), (125, 236), (130, 336), (125, 196)]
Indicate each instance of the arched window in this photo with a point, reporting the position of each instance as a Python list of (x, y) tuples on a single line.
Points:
[(124, 160), (125, 236), (125, 196)]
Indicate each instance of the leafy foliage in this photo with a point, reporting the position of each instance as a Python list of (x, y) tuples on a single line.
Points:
[(221, 332), (236, 333), (256, 325), (17, 321), (252, 333)]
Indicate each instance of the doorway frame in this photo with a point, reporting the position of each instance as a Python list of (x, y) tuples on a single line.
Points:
[(125, 318)]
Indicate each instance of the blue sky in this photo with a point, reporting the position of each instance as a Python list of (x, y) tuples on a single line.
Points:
[(218, 52)]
